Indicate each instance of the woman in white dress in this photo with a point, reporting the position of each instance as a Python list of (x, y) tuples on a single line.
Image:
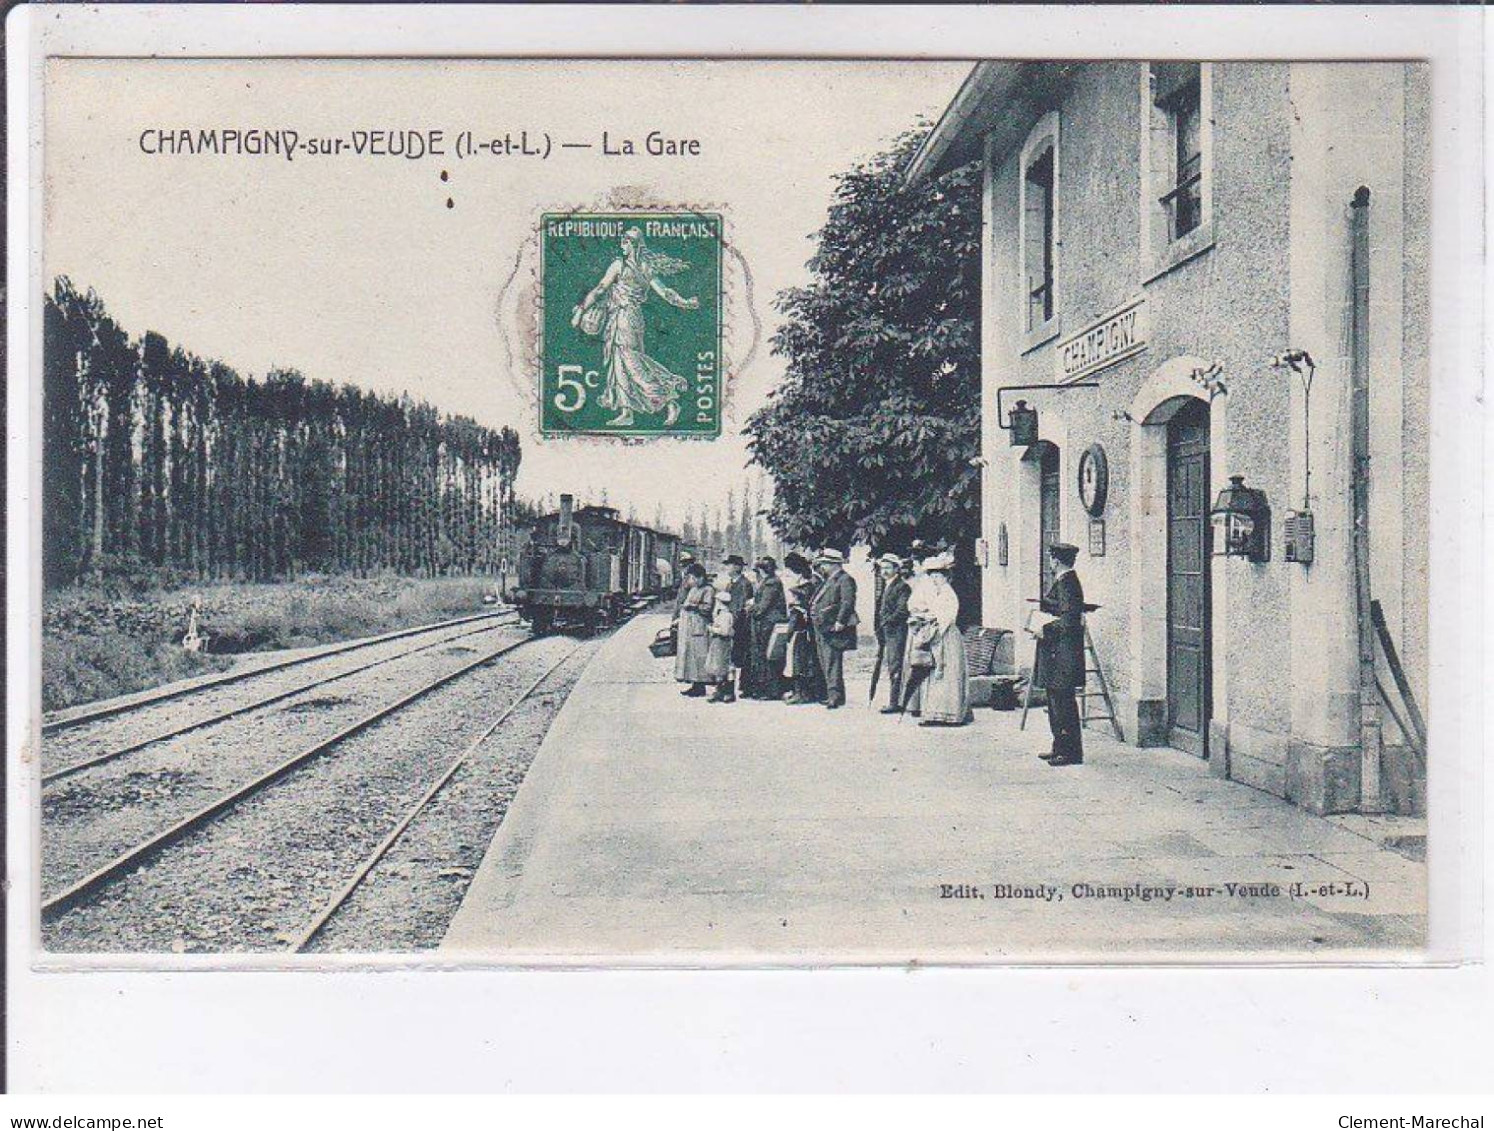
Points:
[(936, 651)]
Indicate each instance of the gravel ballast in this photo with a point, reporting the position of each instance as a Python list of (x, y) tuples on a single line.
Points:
[(95, 815), (254, 877)]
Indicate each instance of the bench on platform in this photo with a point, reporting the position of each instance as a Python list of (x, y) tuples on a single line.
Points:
[(991, 668)]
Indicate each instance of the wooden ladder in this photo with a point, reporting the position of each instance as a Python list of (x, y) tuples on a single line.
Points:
[(1092, 668)]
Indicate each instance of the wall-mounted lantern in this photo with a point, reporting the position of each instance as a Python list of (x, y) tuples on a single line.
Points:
[(1023, 424), (1242, 522), (1022, 420)]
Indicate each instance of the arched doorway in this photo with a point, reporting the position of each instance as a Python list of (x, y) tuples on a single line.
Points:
[(1188, 598), (1160, 652)]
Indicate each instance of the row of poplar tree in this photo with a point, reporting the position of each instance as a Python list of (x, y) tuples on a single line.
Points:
[(155, 457)]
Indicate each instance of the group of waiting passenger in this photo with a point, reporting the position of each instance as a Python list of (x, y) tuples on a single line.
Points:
[(783, 634)]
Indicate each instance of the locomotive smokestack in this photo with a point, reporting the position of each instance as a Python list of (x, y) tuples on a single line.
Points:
[(563, 525)]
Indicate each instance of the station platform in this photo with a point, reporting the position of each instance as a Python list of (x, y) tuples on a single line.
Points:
[(654, 829)]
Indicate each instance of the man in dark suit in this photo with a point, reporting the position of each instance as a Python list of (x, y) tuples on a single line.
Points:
[(833, 614), (892, 626), (1061, 657)]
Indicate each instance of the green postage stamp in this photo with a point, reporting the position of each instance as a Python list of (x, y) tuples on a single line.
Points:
[(632, 324)]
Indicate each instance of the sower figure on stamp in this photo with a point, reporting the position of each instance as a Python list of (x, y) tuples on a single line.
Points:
[(833, 613), (1060, 657), (614, 307), (892, 626)]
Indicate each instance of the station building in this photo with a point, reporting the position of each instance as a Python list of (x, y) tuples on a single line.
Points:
[(1171, 251)]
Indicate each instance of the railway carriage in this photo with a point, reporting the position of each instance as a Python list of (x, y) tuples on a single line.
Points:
[(586, 567)]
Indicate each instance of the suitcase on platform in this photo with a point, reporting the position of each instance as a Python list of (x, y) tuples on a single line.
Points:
[(665, 643)]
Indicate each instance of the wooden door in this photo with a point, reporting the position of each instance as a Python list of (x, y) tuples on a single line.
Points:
[(1048, 515), (1188, 578)]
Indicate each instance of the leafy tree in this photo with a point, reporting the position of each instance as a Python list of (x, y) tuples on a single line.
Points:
[(154, 456), (869, 437)]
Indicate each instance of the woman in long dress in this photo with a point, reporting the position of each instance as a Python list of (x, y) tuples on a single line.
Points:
[(635, 381), (802, 669), (762, 679), (694, 632), (936, 650)]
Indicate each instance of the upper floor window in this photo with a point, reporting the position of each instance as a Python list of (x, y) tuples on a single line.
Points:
[(1184, 198), (1039, 221), (1038, 254), (1178, 144)]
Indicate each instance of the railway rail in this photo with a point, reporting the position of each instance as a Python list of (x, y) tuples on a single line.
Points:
[(361, 873), (67, 720), (91, 761), (94, 883)]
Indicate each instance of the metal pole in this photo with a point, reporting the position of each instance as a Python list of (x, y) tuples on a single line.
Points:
[(1370, 799)]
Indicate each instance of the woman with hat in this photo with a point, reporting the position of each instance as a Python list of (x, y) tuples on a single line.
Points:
[(696, 608), (935, 670), (802, 666), (769, 609)]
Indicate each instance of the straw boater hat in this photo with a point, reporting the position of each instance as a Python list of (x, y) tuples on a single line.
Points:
[(892, 560), (940, 561), (828, 555)]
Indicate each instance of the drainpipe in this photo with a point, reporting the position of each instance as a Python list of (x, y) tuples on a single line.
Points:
[(1370, 798)]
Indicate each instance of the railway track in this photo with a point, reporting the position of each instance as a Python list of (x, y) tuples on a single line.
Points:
[(77, 767), (63, 721), (96, 882), (371, 861)]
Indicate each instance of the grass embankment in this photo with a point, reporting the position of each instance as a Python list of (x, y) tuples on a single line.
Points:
[(97, 643)]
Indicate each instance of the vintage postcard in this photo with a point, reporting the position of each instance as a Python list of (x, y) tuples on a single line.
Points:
[(708, 511)]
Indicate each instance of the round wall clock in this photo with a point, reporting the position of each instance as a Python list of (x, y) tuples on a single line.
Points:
[(1094, 479)]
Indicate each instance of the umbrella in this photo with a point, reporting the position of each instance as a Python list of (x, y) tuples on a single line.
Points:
[(916, 675)]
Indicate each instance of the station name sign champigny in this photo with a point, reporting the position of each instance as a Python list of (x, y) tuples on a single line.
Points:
[(1113, 338)]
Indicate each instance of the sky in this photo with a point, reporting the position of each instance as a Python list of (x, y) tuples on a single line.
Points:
[(353, 268)]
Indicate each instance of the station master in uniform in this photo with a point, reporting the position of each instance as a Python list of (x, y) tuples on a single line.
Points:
[(1061, 657)]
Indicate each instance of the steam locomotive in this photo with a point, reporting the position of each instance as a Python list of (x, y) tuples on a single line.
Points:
[(588, 568)]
